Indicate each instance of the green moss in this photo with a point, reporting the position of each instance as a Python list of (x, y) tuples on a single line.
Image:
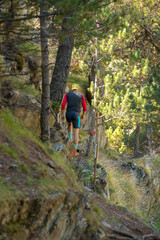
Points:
[(98, 210), (8, 192), (48, 186), (30, 181), (113, 219), (1, 61), (67, 168), (24, 168), (14, 227), (4, 191), (93, 220), (9, 150)]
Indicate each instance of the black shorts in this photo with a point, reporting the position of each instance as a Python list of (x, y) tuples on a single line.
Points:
[(73, 117)]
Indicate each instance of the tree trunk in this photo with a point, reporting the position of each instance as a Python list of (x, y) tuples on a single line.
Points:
[(45, 101), (97, 146), (136, 143), (61, 69), (97, 115), (149, 138), (90, 143), (91, 78)]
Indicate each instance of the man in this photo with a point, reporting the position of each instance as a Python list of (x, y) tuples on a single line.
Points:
[(74, 99)]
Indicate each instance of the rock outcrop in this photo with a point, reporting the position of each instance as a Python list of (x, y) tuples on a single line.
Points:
[(25, 107), (58, 216)]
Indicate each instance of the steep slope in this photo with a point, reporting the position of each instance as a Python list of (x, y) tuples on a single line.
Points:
[(42, 199), (36, 193)]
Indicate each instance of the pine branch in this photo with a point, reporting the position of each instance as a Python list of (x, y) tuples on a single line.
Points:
[(108, 120), (28, 17)]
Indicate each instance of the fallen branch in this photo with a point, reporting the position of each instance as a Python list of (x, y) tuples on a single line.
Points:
[(151, 237)]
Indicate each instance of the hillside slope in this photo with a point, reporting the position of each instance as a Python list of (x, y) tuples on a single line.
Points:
[(41, 197)]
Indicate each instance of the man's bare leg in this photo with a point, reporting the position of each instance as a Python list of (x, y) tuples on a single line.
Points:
[(70, 130), (76, 136)]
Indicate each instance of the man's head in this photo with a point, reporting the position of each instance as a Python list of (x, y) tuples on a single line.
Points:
[(75, 87)]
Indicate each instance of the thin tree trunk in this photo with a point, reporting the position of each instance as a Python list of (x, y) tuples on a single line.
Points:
[(90, 143), (149, 138), (136, 143), (92, 127), (62, 65), (97, 146), (95, 105), (45, 101)]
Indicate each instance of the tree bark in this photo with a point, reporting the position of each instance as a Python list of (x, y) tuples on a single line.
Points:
[(149, 138), (136, 143), (91, 78), (45, 101), (62, 65), (97, 146), (90, 143)]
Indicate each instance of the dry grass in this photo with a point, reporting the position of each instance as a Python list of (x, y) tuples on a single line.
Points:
[(123, 189)]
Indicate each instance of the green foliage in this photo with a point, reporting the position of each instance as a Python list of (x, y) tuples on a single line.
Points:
[(115, 138), (123, 56), (83, 134), (24, 87), (129, 140), (80, 81), (75, 78), (55, 105), (30, 48)]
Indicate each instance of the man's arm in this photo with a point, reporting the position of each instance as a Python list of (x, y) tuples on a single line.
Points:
[(64, 102), (84, 107), (63, 107)]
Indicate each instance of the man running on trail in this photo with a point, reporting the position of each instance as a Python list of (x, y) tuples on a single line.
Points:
[(74, 99)]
